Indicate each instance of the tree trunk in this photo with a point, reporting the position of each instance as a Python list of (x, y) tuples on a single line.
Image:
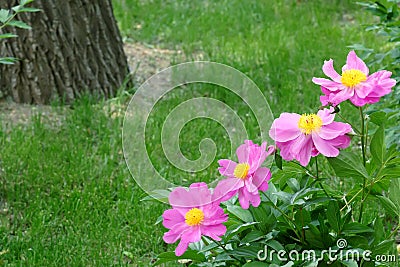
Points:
[(73, 47)]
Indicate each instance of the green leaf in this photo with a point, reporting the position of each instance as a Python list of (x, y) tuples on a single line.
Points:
[(24, 2), (252, 237), (379, 231), (19, 24), (333, 215), (27, 9), (390, 172), (314, 237), (245, 251), (384, 247), (8, 60), (349, 263), (236, 229), (378, 147), (159, 220), (278, 160), (4, 15), (389, 206), (394, 192), (300, 195), (161, 195), (284, 196), (16, 8), (265, 216), (358, 241), (356, 228), (256, 264), (348, 164), (242, 214), (302, 218), (188, 255), (275, 245), (317, 200), (293, 184), (378, 117), (8, 35)]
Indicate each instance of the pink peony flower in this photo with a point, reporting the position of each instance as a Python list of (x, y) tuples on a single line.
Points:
[(193, 214), (245, 177), (301, 137), (354, 83)]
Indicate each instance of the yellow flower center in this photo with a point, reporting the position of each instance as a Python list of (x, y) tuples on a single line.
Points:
[(351, 78), (241, 170), (309, 123), (194, 216)]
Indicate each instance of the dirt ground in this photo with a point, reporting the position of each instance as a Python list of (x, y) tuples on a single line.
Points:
[(144, 61)]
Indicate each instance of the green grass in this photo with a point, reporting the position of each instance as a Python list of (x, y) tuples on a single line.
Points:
[(281, 45), (66, 196)]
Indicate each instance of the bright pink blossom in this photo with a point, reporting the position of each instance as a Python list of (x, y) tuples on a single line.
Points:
[(301, 137), (245, 177), (354, 83), (193, 214)]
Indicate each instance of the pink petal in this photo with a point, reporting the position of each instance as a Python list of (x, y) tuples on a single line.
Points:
[(193, 234), (324, 100), (245, 198), (226, 189), (171, 237), (201, 193), (257, 155), (174, 234), (213, 231), (328, 84), (341, 96), (359, 102), (227, 167), (333, 130), (381, 82), (198, 195), (285, 150), (324, 146), (302, 148), (363, 90), (242, 152), (327, 115), (214, 214), (341, 141), (180, 198), (329, 71), (271, 149), (181, 248), (354, 62), (248, 183), (285, 128), (314, 152), (260, 178), (172, 217)]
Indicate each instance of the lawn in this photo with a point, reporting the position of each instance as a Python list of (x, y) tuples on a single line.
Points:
[(66, 195)]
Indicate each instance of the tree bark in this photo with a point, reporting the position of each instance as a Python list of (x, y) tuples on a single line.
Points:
[(73, 47)]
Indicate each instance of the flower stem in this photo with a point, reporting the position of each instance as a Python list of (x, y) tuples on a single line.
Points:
[(308, 171), (362, 135), (347, 121), (364, 161), (287, 218), (395, 231), (224, 249), (317, 177)]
